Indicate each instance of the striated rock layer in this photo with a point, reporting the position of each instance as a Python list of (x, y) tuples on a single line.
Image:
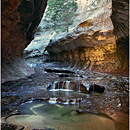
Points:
[(20, 19), (96, 44), (99, 58), (87, 9)]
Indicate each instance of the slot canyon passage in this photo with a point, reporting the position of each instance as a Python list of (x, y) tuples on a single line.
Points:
[(71, 74)]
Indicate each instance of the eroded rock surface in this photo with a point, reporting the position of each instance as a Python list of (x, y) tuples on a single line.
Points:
[(120, 19), (19, 22), (96, 44), (112, 102), (45, 33)]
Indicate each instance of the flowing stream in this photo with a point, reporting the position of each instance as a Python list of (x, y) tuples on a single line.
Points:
[(61, 98)]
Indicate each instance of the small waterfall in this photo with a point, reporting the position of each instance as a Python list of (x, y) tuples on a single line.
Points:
[(67, 102), (87, 87), (58, 85), (78, 85), (63, 85), (53, 86), (67, 85), (52, 100)]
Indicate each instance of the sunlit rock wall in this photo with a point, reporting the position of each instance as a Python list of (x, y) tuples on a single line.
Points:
[(86, 10), (94, 28), (20, 19), (96, 44), (98, 58)]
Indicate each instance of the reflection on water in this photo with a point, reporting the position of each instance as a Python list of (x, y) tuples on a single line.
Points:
[(41, 114)]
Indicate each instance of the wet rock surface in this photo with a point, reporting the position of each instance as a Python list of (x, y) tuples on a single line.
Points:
[(19, 22), (112, 102), (11, 127), (75, 86)]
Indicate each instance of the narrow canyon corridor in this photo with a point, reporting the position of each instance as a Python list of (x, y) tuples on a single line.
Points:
[(71, 74)]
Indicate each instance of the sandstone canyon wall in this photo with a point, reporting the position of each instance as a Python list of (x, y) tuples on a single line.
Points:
[(96, 44), (20, 19), (120, 19)]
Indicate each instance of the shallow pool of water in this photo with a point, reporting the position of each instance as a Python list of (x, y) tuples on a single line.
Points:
[(42, 114)]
